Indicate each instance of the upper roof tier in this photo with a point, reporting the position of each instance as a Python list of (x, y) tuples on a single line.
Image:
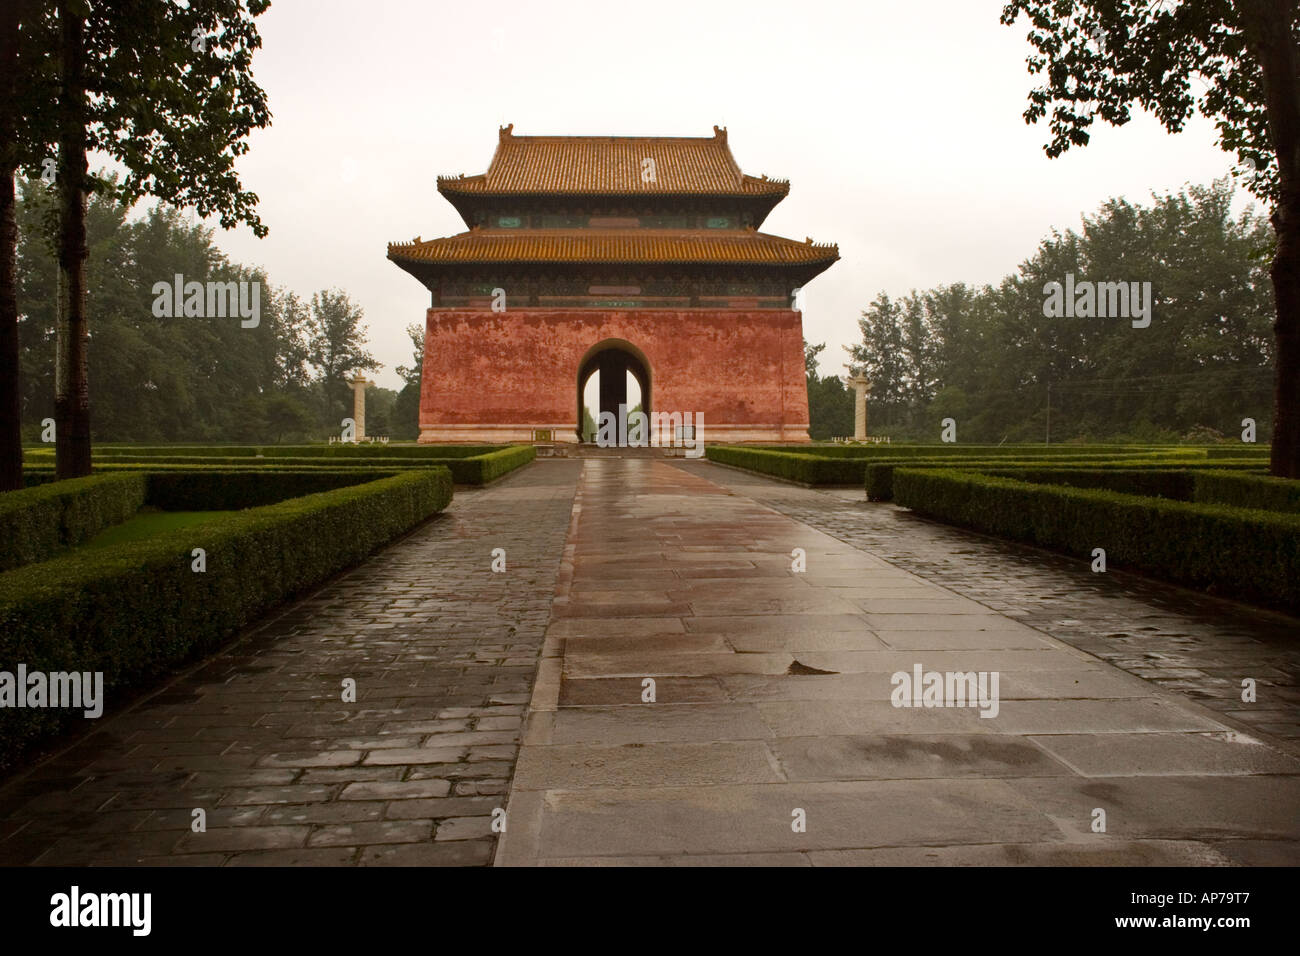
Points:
[(613, 166)]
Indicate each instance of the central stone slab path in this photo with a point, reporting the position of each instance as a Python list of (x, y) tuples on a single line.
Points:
[(701, 701)]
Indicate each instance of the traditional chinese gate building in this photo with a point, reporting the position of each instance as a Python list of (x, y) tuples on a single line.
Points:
[(617, 254)]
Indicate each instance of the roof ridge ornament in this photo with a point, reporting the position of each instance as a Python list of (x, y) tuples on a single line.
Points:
[(720, 133), (504, 133)]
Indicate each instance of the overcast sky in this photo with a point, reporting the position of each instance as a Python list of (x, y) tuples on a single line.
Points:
[(897, 123)]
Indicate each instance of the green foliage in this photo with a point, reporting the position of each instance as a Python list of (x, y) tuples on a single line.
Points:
[(336, 349), (482, 469), (362, 451), (880, 475), (987, 356), (230, 490), (1098, 59), (137, 610), (184, 378), (830, 404), (469, 464), (1151, 482), (148, 524), (1232, 552), (1246, 491), (892, 451), (790, 466), (38, 522)]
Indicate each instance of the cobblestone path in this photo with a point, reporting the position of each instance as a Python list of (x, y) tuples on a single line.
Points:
[(443, 651)]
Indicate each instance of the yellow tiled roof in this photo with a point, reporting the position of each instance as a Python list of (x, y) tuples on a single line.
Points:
[(613, 165), (498, 246)]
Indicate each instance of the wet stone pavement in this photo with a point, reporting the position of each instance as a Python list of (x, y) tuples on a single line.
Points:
[(650, 681), (1178, 639), (702, 701), (443, 651)]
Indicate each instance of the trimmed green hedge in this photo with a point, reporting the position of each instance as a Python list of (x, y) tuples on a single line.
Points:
[(38, 522), (983, 451), (1238, 451), (806, 469), (1233, 552), (880, 475), (209, 490), (271, 462), (1246, 491), (843, 467), (1163, 482), (347, 474), (482, 469), (297, 451), (470, 470), (137, 610)]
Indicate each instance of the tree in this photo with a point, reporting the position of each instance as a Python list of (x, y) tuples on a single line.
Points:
[(165, 89), (992, 354), (830, 404), (286, 415), (881, 356), (1100, 57), (406, 407), (335, 347), (26, 126), (157, 378), (810, 353)]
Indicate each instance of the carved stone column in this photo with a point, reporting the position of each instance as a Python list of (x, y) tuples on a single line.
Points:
[(358, 386), (861, 388)]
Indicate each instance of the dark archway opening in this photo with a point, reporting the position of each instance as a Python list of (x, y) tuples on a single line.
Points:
[(618, 367)]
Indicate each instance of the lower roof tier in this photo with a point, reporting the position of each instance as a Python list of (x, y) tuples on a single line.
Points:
[(541, 248)]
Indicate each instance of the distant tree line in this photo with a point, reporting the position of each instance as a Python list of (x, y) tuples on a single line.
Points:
[(989, 358), (188, 378)]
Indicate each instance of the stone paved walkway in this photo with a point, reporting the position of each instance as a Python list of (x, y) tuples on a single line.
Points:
[(772, 694), (771, 701), (1176, 638), (443, 651)]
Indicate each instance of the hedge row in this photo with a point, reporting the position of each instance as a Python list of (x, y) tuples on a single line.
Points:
[(38, 476), (982, 451), (474, 470), (806, 469), (38, 522), (1246, 491), (297, 451), (271, 462), (1238, 451), (848, 469), (879, 479), (1175, 484), (137, 610), (211, 490), (1233, 552), (492, 466)]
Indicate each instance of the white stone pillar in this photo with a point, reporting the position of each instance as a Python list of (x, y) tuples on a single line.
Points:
[(358, 386), (861, 388)]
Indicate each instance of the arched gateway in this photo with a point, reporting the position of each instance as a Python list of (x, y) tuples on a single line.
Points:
[(623, 254), (613, 362)]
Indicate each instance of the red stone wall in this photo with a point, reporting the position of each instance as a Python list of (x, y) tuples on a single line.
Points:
[(496, 376)]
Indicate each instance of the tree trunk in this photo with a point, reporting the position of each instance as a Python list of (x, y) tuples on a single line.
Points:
[(71, 390), (11, 439), (1266, 25), (11, 436)]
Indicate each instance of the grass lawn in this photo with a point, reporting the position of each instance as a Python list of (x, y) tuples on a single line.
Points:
[(148, 522)]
